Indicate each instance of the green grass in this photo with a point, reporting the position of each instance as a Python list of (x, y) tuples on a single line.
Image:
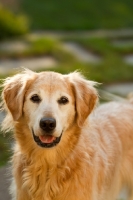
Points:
[(78, 15), (5, 144), (40, 47), (124, 49), (35, 47), (112, 68)]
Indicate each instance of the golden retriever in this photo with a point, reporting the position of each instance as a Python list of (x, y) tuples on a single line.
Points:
[(63, 150)]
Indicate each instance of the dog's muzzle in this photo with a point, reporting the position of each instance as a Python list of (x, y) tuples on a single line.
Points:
[(47, 139)]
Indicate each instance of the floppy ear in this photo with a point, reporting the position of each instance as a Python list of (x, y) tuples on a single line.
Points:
[(85, 96), (13, 93)]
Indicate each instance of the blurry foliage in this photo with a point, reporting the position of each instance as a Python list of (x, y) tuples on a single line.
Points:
[(42, 46), (79, 15), (112, 68), (5, 153), (11, 24), (48, 47)]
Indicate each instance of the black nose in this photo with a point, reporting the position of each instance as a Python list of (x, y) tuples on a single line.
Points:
[(48, 124)]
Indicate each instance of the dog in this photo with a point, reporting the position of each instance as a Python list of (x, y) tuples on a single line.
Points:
[(66, 147)]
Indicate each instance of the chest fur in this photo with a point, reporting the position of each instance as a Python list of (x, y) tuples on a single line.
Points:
[(43, 183)]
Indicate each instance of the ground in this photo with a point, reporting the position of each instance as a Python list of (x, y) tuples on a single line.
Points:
[(4, 184)]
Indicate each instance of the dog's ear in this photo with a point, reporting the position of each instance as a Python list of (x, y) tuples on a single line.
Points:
[(85, 96), (14, 89)]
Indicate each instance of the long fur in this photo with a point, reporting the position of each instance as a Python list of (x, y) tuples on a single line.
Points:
[(93, 160)]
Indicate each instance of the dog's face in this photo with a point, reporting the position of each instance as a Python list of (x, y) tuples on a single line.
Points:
[(49, 108), (50, 103)]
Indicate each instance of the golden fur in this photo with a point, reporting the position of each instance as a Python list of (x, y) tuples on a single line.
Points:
[(93, 160)]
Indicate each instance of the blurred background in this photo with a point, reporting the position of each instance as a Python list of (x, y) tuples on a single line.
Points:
[(95, 37)]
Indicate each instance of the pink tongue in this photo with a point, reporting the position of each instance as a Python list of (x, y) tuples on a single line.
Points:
[(47, 139)]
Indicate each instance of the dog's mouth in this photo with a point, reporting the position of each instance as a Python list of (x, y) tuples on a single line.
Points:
[(46, 141)]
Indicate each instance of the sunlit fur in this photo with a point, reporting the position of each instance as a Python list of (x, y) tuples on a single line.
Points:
[(94, 159)]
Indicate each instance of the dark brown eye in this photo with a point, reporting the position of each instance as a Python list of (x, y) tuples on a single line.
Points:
[(35, 98), (63, 100)]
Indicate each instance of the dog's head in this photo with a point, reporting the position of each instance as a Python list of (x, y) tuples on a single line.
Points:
[(50, 103)]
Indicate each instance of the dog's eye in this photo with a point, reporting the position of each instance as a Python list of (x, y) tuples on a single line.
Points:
[(63, 100), (35, 98)]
